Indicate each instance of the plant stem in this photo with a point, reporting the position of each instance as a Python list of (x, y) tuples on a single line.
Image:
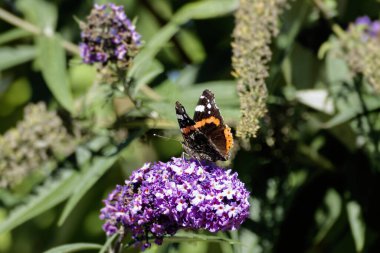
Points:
[(18, 22)]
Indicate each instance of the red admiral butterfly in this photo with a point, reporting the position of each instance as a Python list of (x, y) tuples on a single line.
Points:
[(206, 137)]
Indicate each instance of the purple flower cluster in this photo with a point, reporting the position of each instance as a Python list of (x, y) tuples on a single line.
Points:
[(161, 198), (109, 37), (372, 28)]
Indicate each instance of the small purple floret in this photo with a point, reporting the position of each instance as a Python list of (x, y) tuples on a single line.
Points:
[(364, 20), (372, 28), (161, 198)]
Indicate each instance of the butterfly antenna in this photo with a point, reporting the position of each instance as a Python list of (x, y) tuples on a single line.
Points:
[(164, 137)]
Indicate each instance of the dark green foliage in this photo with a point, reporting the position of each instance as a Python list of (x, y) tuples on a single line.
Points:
[(313, 169)]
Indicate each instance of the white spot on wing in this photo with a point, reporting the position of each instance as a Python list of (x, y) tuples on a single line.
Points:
[(208, 105), (209, 112), (179, 116), (200, 108)]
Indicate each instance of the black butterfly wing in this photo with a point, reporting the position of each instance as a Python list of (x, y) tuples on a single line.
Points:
[(207, 107), (209, 121), (196, 143)]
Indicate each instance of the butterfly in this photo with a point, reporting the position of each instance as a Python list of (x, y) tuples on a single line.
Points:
[(206, 137)]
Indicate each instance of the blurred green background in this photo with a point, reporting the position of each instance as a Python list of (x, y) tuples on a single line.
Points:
[(313, 169)]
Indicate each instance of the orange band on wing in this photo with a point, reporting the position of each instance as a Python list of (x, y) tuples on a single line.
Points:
[(188, 129), (209, 120), (229, 138), (201, 123)]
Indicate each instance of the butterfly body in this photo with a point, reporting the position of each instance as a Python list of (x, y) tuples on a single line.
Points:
[(206, 137)]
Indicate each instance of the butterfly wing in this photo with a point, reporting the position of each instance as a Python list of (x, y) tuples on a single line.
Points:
[(209, 121), (207, 107), (196, 143)]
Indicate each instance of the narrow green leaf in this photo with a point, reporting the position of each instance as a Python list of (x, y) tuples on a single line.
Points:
[(87, 179), (148, 73), (52, 59), (192, 46), (205, 10), (49, 195), (187, 76), (341, 118), (328, 216), (13, 34), (89, 176), (108, 243), (192, 237), (74, 247), (357, 225), (153, 47), (13, 56)]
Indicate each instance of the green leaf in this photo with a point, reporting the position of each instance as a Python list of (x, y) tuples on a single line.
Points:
[(337, 70), (49, 195), (74, 247), (187, 76), (192, 46), (41, 13), (192, 237), (341, 118), (197, 10), (13, 56), (148, 73), (357, 224), (108, 243), (87, 179), (89, 176), (13, 34), (328, 216), (205, 10), (52, 61), (153, 47)]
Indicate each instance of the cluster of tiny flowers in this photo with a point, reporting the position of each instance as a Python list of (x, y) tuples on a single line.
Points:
[(161, 198), (34, 141), (109, 37), (361, 49), (256, 25)]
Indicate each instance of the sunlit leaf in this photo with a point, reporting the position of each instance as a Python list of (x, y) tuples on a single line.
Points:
[(13, 56), (205, 9), (357, 224), (13, 34), (329, 214), (53, 66), (74, 247), (40, 12), (316, 99)]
